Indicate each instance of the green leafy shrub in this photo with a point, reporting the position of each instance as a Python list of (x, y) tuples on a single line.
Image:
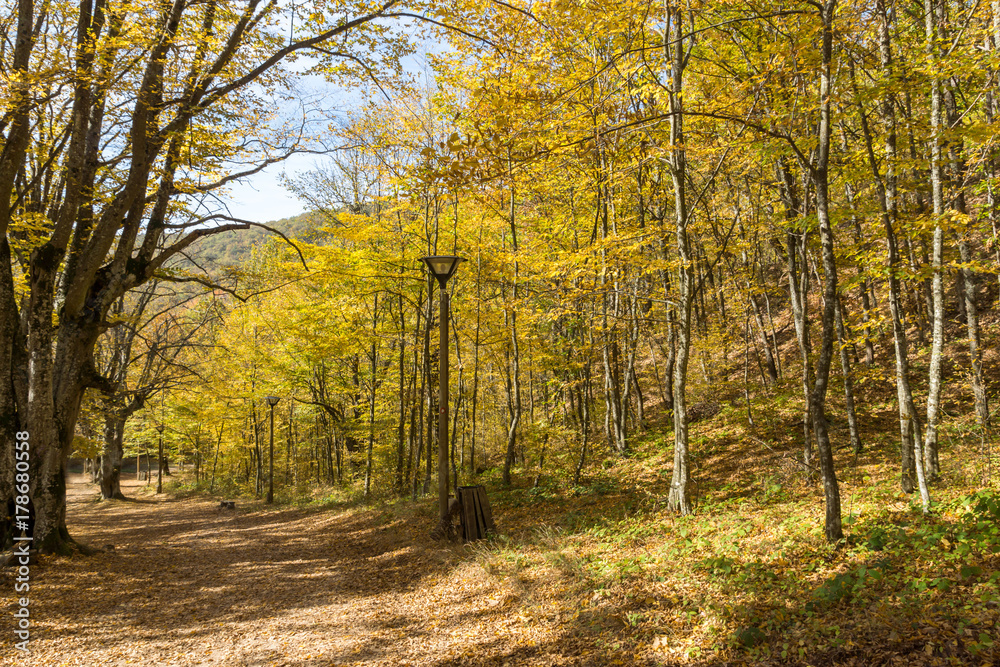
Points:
[(846, 586)]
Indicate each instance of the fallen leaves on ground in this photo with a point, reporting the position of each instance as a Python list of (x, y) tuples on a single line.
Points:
[(189, 583)]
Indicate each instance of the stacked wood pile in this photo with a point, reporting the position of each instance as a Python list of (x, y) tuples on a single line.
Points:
[(475, 512)]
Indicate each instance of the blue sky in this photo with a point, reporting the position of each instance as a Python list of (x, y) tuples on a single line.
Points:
[(263, 197)]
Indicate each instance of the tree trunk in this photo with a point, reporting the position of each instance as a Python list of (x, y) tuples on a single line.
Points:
[(972, 331), (670, 362), (373, 368), (583, 409), (930, 453), (831, 489), (909, 427), (475, 358), (865, 283), (514, 384), (798, 290), (772, 368), (845, 365), (678, 500), (992, 113), (215, 461), (111, 459), (428, 392), (401, 428)]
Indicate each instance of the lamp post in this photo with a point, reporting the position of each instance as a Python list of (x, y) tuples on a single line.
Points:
[(159, 471), (443, 267), (271, 401)]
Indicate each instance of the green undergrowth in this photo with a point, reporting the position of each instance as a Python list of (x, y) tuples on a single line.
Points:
[(749, 576)]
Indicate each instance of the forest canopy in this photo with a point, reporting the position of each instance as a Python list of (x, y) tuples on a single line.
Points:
[(667, 211)]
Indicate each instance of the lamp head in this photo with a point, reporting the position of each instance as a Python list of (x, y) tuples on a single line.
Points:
[(159, 427), (442, 267), (272, 400)]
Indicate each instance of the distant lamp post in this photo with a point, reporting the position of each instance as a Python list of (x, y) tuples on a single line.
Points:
[(443, 267), (159, 471), (271, 401)]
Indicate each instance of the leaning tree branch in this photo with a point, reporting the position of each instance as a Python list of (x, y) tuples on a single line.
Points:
[(237, 224)]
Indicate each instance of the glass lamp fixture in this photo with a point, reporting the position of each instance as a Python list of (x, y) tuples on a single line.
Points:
[(442, 266)]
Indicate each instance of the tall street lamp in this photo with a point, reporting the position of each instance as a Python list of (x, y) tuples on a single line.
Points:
[(443, 267), (159, 471), (272, 401)]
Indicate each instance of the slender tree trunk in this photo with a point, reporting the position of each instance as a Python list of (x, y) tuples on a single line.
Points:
[(514, 399), (670, 362), (909, 427), (215, 462), (373, 370), (583, 407), (258, 458), (678, 500), (656, 372), (845, 365), (992, 45), (401, 428), (798, 289), (930, 453), (427, 392), (746, 366), (288, 443), (772, 368), (831, 489), (774, 333), (416, 407), (968, 277), (972, 331), (865, 282), (475, 358)]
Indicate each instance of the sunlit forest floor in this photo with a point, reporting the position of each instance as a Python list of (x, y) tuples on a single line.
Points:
[(596, 573), (189, 583)]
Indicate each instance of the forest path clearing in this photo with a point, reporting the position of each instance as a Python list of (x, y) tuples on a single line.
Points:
[(189, 583)]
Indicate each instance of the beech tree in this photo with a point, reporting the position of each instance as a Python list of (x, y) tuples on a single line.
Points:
[(118, 120)]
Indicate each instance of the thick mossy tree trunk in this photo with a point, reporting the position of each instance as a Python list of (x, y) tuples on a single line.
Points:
[(10, 424), (111, 459), (13, 400), (54, 387)]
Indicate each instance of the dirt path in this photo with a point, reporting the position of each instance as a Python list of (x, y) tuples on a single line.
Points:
[(189, 583)]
